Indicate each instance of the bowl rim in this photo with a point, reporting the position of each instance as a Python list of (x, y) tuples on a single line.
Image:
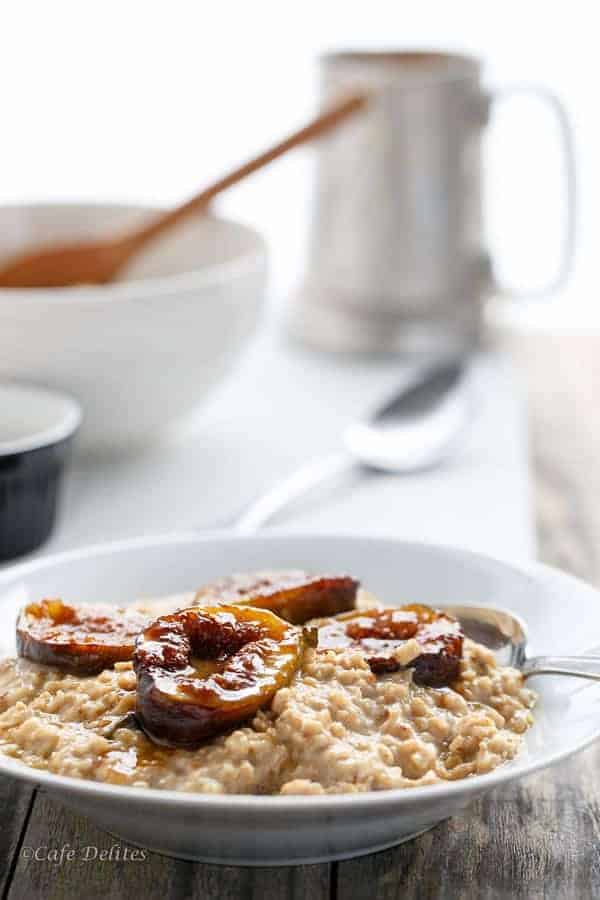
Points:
[(309, 804), (141, 288), (65, 426)]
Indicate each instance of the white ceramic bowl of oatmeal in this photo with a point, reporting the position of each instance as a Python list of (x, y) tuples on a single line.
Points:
[(301, 824)]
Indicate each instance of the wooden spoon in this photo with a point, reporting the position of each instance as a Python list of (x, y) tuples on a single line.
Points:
[(99, 261)]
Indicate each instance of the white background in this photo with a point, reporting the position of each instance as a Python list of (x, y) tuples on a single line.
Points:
[(148, 101), (132, 100)]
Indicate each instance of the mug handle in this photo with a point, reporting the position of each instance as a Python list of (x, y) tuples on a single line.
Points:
[(550, 99)]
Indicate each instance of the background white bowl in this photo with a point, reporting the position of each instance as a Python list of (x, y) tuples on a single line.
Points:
[(275, 830), (140, 354)]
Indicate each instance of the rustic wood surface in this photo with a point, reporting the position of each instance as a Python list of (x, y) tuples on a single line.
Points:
[(540, 840)]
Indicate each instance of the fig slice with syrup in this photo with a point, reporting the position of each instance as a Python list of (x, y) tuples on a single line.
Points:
[(82, 640), (204, 670), (293, 595), (382, 634)]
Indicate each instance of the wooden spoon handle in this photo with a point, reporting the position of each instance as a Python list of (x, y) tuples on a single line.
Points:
[(318, 126)]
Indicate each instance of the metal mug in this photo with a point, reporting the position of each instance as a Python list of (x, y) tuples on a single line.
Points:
[(397, 259)]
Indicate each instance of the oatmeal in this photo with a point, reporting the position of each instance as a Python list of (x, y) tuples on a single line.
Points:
[(336, 728)]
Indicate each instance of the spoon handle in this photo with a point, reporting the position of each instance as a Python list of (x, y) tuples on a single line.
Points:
[(579, 666), (326, 121), (292, 488)]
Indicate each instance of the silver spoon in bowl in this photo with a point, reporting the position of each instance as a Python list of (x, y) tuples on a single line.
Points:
[(506, 634), (415, 429)]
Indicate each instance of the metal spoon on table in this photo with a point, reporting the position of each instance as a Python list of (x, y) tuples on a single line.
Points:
[(415, 429), (506, 634)]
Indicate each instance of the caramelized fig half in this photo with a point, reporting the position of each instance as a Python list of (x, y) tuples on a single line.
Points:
[(293, 595), (203, 670), (81, 639), (383, 635)]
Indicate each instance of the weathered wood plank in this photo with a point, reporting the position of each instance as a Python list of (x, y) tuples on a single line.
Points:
[(15, 802), (562, 375), (148, 875)]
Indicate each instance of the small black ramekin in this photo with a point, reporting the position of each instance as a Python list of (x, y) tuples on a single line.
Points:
[(36, 433)]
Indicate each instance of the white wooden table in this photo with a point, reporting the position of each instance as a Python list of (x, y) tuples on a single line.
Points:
[(285, 406)]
